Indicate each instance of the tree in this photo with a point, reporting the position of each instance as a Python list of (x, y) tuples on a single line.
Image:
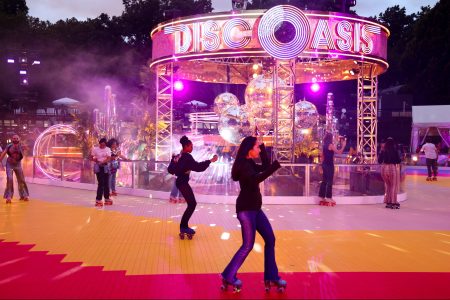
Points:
[(400, 25), (13, 7), (426, 55)]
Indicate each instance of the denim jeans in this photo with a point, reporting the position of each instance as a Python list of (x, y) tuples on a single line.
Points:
[(252, 221), (326, 186), (431, 165), (112, 181), (22, 185), (175, 192)]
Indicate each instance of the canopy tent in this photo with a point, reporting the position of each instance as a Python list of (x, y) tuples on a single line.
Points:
[(66, 101), (430, 120), (196, 103)]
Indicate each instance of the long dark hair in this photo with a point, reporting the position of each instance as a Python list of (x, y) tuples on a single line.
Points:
[(390, 149), (246, 145)]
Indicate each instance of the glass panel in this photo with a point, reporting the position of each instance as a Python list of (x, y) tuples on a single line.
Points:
[(287, 181), (216, 180)]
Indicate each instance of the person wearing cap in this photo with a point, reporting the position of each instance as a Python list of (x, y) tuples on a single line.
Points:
[(101, 155)]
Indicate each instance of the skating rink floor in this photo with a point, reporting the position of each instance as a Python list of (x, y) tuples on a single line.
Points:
[(58, 245)]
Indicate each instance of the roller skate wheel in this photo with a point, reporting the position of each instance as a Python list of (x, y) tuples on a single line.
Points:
[(190, 236), (237, 289), (181, 236), (281, 289)]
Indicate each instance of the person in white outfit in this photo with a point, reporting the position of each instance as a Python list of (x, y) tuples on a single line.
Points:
[(431, 155)]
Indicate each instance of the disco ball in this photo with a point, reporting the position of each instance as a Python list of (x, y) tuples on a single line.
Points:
[(234, 124), (258, 98), (306, 115), (224, 101)]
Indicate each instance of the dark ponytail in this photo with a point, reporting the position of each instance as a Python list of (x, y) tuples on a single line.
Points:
[(184, 141)]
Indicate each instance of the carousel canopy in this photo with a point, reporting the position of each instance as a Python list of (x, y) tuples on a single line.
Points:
[(196, 103), (65, 101)]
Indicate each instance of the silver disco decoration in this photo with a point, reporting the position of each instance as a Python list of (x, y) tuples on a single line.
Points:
[(258, 98), (306, 115), (234, 124), (224, 101)]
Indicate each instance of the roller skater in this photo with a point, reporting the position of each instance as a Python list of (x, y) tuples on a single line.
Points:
[(431, 156), (327, 159), (101, 156), (249, 212), (14, 165), (280, 284), (389, 158), (185, 165), (187, 232), (236, 284)]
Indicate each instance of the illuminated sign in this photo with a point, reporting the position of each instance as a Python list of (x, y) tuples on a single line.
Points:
[(284, 32)]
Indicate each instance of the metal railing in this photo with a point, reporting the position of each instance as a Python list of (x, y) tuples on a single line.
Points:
[(290, 180)]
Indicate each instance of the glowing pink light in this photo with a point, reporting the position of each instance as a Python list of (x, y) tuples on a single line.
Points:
[(178, 85), (315, 87)]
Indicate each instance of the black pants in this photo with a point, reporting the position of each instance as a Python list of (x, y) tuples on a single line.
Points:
[(326, 186), (103, 184), (431, 165), (188, 194)]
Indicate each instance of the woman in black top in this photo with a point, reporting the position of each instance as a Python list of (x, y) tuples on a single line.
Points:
[(328, 151), (249, 213), (185, 165), (390, 158)]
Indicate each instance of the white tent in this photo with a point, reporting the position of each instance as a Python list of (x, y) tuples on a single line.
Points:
[(196, 103), (426, 117), (66, 101)]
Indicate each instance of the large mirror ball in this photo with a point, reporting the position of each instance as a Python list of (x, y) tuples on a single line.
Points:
[(223, 101), (258, 98), (234, 124)]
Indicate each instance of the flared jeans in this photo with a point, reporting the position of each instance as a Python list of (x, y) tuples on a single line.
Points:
[(253, 221), (22, 185)]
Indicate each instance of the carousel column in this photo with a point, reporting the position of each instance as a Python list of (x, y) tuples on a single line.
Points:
[(367, 114), (283, 122), (164, 115)]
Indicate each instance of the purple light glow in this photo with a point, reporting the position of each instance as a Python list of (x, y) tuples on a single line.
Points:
[(315, 87), (178, 85)]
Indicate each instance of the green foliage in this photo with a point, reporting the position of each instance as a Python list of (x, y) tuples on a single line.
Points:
[(418, 51), (13, 7)]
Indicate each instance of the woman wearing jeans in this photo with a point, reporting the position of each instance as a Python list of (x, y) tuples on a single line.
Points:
[(249, 213)]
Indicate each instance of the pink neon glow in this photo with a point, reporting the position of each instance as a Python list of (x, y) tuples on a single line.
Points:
[(178, 85), (315, 87)]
